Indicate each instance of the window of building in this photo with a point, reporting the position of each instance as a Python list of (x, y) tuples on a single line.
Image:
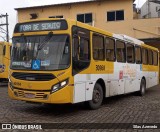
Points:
[(155, 58), (138, 55), (110, 49), (145, 56), (61, 16), (85, 18), (130, 53), (98, 47), (120, 51), (115, 15), (150, 57)]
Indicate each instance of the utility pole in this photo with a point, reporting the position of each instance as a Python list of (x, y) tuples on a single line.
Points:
[(5, 24)]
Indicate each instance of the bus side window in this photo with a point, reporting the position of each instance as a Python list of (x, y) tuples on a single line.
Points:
[(144, 56), (84, 49), (75, 47), (120, 51), (138, 55), (155, 58), (98, 47), (150, 57), (110, 49), (130, 53)]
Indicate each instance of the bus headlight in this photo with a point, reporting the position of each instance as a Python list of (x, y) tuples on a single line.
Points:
[(59, 86)]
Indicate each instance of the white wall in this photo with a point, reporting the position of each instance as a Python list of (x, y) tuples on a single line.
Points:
[(149, 12)]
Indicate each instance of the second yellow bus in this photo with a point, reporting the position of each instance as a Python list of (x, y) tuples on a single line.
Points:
[(5, 49)]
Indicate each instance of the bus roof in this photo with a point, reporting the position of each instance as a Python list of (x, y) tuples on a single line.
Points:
[(128, 39), (150, 47)]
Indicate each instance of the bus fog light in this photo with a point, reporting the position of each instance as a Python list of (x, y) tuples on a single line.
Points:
[(16, 94)]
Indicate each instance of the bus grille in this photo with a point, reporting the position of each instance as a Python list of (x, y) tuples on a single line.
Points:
[(38, 95), (33, 76)]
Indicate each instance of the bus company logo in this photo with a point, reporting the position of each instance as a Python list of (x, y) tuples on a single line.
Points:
[(17, 83), (6, 126)]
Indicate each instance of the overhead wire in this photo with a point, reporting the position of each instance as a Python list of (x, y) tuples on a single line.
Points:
[(3, 38), (2, 29)]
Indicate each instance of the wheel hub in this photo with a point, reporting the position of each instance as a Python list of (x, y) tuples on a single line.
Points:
[(96, 96)]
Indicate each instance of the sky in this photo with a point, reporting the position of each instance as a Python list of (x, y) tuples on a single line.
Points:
[(7, 6)]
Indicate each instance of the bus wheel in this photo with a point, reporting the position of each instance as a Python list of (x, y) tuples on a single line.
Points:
[(142, 87), (97, 97)]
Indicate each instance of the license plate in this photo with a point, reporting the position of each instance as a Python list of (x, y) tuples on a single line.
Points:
[(29, 95)]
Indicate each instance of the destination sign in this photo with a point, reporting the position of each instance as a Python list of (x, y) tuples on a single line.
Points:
[(41, 26)]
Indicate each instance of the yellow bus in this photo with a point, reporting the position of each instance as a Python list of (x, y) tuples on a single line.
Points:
[(4, 60), (64, 61)]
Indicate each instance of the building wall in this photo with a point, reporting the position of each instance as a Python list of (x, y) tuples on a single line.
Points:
[(98, 9), (148, 10), (129, 26)]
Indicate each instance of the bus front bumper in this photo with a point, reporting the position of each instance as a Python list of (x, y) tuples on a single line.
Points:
[(62, 96)]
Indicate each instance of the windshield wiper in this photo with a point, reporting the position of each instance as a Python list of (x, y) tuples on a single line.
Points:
[(46, 39)]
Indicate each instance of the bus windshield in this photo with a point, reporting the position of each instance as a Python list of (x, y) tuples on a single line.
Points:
[(48, 54)]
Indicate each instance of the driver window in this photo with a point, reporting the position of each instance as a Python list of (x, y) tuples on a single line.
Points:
[(84, 49), (75, 47)]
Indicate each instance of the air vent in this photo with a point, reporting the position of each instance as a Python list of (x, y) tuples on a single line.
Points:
[(33, 76)]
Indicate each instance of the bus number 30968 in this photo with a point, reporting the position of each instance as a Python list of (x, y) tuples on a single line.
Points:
[(100, 68)]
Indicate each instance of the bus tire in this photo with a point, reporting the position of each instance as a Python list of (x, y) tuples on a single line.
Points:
[(142, 87), (97, 97)]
